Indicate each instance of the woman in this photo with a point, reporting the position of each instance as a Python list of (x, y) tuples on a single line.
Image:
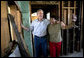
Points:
[(54, 31)]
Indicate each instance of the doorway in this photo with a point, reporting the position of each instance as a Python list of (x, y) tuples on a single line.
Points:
[(49, 9)]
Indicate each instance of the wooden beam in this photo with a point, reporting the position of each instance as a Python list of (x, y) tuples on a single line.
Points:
[(75, 7), (67, 51), (59, 8), (80, 15), (74, 28), (69, 7), (17, 5), (62, 8), (45, 2), (82, 26), (65, 17), (60, 15)]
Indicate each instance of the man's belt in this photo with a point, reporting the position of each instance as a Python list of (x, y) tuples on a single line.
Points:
[(41, 36)]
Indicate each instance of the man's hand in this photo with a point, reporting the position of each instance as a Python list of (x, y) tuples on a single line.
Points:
[(24, 27)]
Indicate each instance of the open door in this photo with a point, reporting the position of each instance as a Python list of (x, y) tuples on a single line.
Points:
[(48, 8), (25, 12)]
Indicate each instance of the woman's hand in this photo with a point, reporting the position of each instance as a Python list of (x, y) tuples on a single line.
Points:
[(74, 18)]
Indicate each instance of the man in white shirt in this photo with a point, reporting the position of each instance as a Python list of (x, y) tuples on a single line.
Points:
[(39, 27)]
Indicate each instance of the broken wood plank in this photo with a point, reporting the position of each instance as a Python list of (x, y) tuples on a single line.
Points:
[(20, 41), (13, 10), (18, 18)]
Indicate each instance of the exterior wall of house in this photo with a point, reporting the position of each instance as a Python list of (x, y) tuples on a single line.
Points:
[(5, 37)]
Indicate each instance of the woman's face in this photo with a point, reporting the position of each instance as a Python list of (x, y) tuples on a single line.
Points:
[(52, 20)]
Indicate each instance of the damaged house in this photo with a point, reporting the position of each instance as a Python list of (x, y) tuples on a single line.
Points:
[(16, 40)]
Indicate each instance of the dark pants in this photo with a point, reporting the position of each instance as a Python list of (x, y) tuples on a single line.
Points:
[(40, 41)]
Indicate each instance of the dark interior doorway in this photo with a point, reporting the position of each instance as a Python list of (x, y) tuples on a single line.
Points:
[(52, 9)]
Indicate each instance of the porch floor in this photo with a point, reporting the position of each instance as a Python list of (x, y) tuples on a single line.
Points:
[(75, 54)]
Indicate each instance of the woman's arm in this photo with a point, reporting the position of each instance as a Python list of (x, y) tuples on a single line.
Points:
[(64, 26), (74, 18)]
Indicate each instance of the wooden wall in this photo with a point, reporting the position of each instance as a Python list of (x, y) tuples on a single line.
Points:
[(5, 25), (71, 37), (67, 45), (5, 37)]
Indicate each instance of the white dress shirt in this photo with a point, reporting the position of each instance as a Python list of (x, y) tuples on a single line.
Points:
[(39, 28)]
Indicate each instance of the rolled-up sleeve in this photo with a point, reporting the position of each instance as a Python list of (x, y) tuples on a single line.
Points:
[(31, 28), (48, 21)]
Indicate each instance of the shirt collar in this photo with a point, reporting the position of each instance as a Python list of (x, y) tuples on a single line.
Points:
[(42, 19)]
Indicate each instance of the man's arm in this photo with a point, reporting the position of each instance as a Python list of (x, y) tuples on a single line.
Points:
[(25, 28)]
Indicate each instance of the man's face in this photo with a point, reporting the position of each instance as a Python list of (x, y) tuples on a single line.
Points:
[(40, 15)]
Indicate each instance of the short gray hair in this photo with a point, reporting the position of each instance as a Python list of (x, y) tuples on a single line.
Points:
[(39, 10)]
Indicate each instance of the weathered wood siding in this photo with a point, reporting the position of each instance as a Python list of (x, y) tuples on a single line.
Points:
[(5, 37)]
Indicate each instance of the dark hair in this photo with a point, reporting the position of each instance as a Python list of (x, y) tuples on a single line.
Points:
[(56, 17)]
